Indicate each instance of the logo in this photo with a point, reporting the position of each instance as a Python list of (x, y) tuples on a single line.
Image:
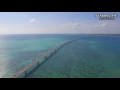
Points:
[(106, 16)]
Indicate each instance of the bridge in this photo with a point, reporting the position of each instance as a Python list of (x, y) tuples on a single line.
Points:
[(25, 70)]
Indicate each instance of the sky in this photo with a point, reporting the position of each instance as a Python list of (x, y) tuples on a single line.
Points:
[(57, 23)]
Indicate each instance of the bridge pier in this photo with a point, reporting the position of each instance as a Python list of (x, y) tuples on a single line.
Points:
[(25, 72), (51, 53), (38, 63), (55, 50)]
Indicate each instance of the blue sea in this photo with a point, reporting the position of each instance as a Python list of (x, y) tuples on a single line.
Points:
[(90, 57)]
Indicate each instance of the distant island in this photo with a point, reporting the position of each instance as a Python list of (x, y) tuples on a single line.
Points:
[(106, 34)]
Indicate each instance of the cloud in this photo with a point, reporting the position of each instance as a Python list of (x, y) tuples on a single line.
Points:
[(85, 26), (75, 24), (67, 25), (95, 26), (72, 25), (78, 26), (104, 25), (33, 21), (20, 24), (100, 26)]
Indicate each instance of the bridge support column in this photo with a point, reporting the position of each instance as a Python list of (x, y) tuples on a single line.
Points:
[(55, 50), (38, 63), (25, 72)]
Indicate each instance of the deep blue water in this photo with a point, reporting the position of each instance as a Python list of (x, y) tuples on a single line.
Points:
[(93, 57)]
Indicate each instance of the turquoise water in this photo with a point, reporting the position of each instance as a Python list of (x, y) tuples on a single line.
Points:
[(95, 57)]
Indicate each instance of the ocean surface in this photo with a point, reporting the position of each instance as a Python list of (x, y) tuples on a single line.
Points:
[(91, 57)]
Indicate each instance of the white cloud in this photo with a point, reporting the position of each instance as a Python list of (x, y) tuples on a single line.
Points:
[(33, 21), (80, 27), (20, 24), (85, 27), (72, 25), (67, 25), (100, 26), (104, 25), (96, 26), (76, 24)]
